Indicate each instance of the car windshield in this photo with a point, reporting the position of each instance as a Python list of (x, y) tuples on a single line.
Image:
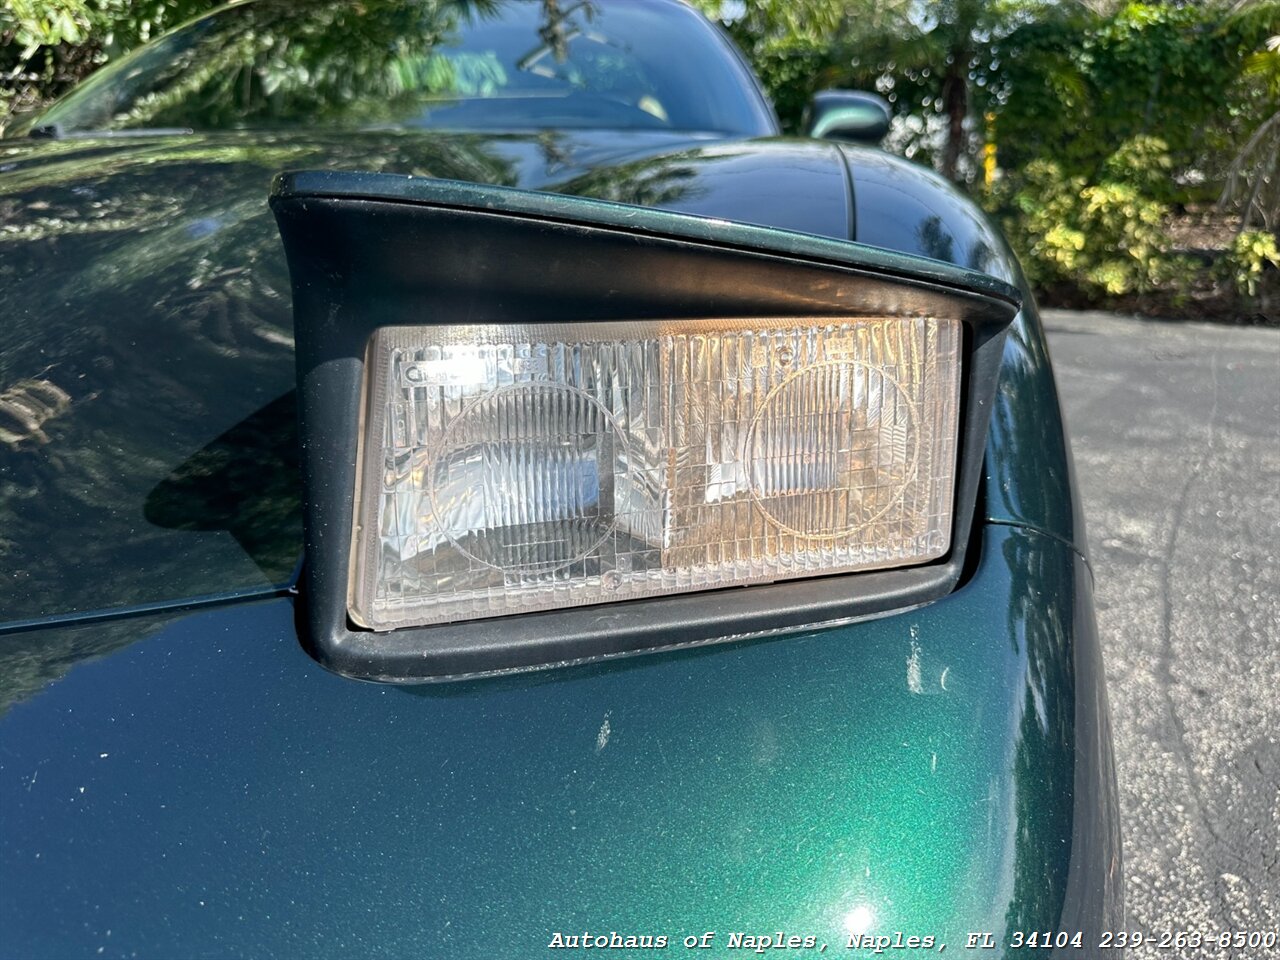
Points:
[(403, 64)]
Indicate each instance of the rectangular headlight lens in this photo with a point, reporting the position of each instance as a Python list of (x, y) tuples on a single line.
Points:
[(508, 469)]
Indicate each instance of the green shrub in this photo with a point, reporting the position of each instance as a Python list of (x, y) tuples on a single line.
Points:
[(32, 35), (35, 23), (47, 46), (1247, 259), (1106, 238)]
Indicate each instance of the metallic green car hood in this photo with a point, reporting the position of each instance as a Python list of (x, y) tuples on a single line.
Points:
[(210, 791)]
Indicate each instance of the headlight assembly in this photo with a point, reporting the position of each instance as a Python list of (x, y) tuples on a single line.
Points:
[(542, 429), (508, 469)]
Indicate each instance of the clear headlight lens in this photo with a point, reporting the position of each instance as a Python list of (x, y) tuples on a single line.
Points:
[(512, 469)]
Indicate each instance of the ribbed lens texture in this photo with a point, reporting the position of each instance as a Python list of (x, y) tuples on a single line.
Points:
[(510, 469)]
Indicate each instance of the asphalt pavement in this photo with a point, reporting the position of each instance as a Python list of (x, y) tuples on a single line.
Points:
[(1176, 433)]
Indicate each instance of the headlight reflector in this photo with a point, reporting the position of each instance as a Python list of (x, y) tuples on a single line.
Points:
[(507, 469)]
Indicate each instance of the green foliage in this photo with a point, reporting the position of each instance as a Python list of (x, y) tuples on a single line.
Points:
[(1247, 260), (1144, 164), (1072, 88), (1252, 181), (1107, 119), (47, 46), (32, 32), (121, 25), (1107, 237), (791, 45), (31, 24)]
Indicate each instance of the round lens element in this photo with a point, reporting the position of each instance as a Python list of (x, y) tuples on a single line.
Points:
[(832, 449), (523, 481)]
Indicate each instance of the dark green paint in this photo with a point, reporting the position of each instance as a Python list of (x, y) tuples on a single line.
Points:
[(926, 766)]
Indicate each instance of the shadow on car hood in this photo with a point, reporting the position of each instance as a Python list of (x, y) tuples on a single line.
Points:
[(146, 360)]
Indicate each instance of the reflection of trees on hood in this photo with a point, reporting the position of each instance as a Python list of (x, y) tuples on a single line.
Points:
[(272, 64), (31, 660), (652, 182), (145, 289), (349, 63), (936, 240)]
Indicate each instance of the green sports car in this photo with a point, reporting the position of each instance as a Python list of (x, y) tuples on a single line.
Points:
[(698, 498)]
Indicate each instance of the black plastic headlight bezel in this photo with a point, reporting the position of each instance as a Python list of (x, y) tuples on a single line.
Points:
[(373, 250)]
